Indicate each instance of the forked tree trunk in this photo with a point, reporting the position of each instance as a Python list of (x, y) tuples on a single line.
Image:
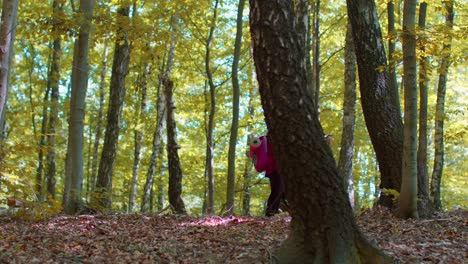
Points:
[(440, 110), (322, 226)]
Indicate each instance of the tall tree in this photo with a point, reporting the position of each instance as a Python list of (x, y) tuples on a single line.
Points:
[(120, 66), (209, 166), (440, 108), (79, 85), (99, 118), (7, 36), (379, 101), (175, 171), (316, 67), (409, 187), (345, 162), (392, 36), (305, 159), (424, 203), (235, 98), (53, 82)]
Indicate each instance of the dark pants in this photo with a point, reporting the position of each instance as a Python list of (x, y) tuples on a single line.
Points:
[(276, 195)]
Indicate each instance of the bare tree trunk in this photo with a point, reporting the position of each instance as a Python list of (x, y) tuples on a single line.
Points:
[(409, 188), (305, 159), (316, 67), (40, 180), (103, 199), (53, 82), (440, 110), (345, 162), (138, 134), (209, 170), (248, 165), (98, 135), (74, 163), (425, 208), (393, 84), (381, 112)]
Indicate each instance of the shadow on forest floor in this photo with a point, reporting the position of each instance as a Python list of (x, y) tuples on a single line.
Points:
[(172, 239)]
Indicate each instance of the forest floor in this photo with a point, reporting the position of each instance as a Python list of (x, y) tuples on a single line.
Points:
[(172, 239)]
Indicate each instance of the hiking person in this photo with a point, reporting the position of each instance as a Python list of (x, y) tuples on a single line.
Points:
[(261, 153)]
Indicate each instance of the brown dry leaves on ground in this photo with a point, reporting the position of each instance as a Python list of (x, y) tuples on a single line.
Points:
[(171, 239)]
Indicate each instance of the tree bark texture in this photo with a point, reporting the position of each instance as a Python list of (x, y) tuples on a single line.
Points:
[(425, 207), (316, 67), (74, 163), (9, 15), (392, 36), (409, 187), (379, 102), (322, 226), (120, 66), (53, 83), (345, 162), (175, 171), (440, 110)]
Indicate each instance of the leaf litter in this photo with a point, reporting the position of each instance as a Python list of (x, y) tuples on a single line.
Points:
[(133, 238)]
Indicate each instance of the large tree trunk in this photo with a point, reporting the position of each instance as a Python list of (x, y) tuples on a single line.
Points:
[(53, 83), (345, 162), (322, 226), (316, 67), (424, 203), (209, 166), (409, 187), (74, 163), (138, 136), (379, 101), (440, 110), (120, 66)]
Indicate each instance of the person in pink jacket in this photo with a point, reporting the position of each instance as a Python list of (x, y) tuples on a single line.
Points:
[(261, 152)]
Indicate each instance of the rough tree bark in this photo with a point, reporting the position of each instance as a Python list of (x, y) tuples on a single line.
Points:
[(322, 226), (379, 101)]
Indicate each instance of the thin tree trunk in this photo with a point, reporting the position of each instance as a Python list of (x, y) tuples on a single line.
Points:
[(345, 162), (424, 203), (393, 85), (40, 180), (98, 135), (138, 134), (53, 82), (248, 165), (316, 67), (74, 163), (382, 114), (305, 159), (440, 110), (116, 100), (409, 186), (209, 129)]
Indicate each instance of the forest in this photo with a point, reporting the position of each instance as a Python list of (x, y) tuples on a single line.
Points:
[(118, 109)]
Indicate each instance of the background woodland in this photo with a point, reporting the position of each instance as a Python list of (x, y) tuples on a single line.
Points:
[(137, 49)]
